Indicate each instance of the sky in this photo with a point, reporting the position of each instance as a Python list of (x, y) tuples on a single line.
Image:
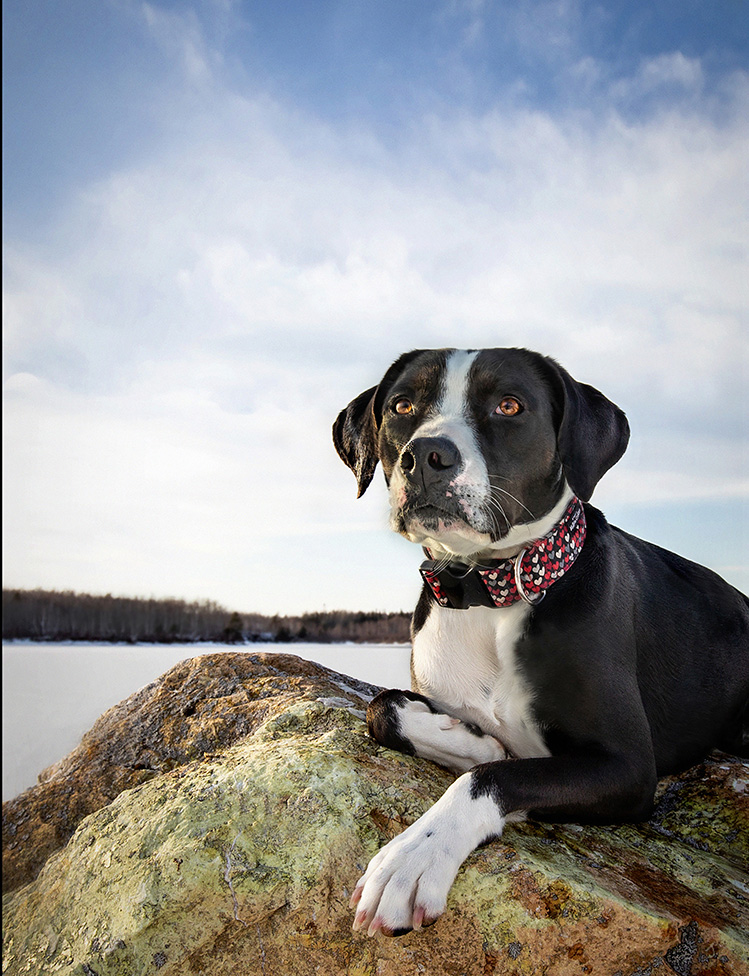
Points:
[(224, 219)]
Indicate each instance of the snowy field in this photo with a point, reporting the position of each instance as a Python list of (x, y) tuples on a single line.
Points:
[(53, 693)]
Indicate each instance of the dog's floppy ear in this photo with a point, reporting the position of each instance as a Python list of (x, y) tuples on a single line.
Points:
[(356, 428), (355, 438), (593, 432)]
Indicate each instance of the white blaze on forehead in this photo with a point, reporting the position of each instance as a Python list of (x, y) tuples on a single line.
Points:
[(450, 418), (450, 411), (455, 389)]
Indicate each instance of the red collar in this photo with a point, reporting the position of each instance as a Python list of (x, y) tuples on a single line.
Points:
[(526, 576)]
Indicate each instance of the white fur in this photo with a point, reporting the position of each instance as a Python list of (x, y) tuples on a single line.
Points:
[(407, 881), (464, 661), (445, 739), (455, 386)]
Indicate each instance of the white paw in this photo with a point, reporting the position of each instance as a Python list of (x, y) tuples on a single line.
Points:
[(407, 882), (446, 740)]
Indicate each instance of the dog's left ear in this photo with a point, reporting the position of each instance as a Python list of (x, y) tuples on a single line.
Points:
[(593, 432), (355, 438)]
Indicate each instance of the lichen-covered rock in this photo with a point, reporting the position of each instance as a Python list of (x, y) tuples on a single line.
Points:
[(198, 707), (241, 862)]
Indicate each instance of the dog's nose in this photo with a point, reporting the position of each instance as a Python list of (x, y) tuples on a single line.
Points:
[(429, 459)]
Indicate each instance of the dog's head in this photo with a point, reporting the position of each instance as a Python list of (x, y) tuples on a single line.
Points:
[(479, 447)]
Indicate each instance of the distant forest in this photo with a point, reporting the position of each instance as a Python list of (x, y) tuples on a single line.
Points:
[(55, 615)]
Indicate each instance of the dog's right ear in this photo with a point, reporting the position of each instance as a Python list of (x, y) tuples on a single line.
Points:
[(355, 438), (357, 428)]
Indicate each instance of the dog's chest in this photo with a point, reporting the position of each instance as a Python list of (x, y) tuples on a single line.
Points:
[(466, 660)]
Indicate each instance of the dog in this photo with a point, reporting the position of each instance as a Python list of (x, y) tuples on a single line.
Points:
[(559, 665)]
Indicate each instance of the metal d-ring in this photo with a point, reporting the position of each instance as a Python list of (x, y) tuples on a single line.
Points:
[(518, 583)]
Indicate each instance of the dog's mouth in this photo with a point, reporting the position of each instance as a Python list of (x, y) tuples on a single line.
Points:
[(431, 515), (429, 524), (452, 504)]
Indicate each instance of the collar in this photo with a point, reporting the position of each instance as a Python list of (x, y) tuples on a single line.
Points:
[(526, 576)]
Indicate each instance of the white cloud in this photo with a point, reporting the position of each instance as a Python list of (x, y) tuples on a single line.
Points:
[(663, 71), (181, 38), (507, 217)]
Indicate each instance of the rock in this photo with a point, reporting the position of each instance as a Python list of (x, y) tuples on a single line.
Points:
[(196, 708), (239, 857)]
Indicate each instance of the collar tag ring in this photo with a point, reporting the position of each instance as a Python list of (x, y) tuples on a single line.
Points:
[(519, 584)]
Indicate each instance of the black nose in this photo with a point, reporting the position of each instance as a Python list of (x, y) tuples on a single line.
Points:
[(429, 460)]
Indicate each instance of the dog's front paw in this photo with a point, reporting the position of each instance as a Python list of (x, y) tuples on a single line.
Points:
[(446, 740), (406, 884)]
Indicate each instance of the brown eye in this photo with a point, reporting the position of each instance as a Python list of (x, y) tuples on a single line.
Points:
[(509, 407), (403, 406)]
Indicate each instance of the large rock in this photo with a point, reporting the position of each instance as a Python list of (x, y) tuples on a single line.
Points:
[(197, 708), (240, 858)]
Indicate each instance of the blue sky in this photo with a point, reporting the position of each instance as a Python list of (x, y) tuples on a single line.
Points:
[(223, 220)]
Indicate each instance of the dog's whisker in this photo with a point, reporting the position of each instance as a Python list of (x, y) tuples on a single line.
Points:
[(443, 562), (514, 498), (495, 507)]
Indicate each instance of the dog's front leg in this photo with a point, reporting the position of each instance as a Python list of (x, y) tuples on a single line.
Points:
[(406, 883), (411, 723)]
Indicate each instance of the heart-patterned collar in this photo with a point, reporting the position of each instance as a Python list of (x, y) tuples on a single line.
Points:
[(526, 576)]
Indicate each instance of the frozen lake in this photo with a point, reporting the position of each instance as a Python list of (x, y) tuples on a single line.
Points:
[(53, 693)]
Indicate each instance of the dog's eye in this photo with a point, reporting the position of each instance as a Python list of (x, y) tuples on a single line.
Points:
[(403, 405), (509, 407)]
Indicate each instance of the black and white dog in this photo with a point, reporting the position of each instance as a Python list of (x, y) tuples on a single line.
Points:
[(559, 664)]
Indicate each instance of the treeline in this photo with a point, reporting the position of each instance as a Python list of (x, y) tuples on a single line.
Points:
[(64, 615)]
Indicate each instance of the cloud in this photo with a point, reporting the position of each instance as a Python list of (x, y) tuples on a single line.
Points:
[(181, 35), (586, 234), (180, 343), (670, 69)]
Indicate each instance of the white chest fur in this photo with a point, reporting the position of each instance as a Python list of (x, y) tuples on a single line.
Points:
[(464, 660)]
